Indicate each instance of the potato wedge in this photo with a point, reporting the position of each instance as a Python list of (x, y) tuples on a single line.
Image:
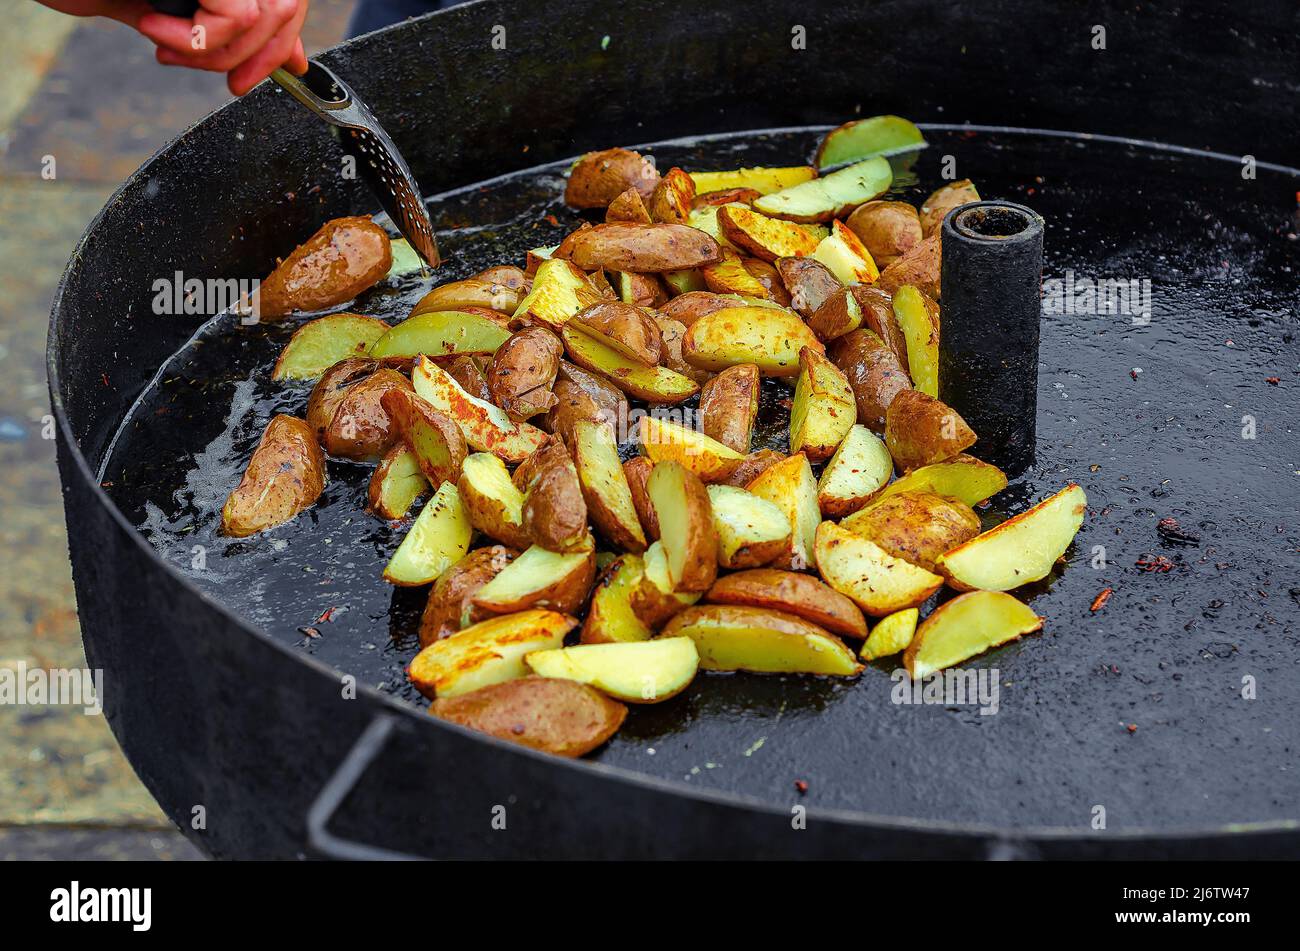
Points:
[(919, 267), (437, 539), (823, 410), (561, 717), (285, 475), (672, 198), (766, 337), (685, 281), (633, 671), (920, 430), (465, 370), (705, 218), (436, 440), (342, 259), (831, 196), (637, 470), (598, 178), (846, 257), (874, 375), (673, 334), (967, 625), (730, 276), (789, 484), (628, 206), (880, 583), (838, 315), (686, 531), (809, 283), (1020, 550), (493, 504), (396, 483), (943, 200), (622, 246), (642, 290), (604, 402), (559, 291), (533, 258), (860, 466), (767, 276), (763, 237), (663, 440), (361, 427), (762, 180), (792, 593), (319, 344), (472, 293), (893, 633), (918, 316), (652, 384), (490, 652), (611, 618), (653, 599), (917, 527), (755, 464), (726, 196), (554, 512), (887, 229), (441, 333), (751, 531), (730, 637), (878, 317), (451, 599), (523, 371), (332, 388), (876, 135), (486, 427), (961, 477), (540, 578), (624, 328), (605, 488), (729, 406)]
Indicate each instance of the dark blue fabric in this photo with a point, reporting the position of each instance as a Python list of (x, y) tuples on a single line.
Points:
[(370, 15)]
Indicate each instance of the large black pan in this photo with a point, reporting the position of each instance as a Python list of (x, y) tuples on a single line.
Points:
[(222, 712)]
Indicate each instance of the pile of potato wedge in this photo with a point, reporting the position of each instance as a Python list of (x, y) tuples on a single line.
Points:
[(565, 580)]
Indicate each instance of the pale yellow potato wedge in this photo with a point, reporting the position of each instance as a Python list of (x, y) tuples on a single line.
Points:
[(486, 427), (686, 531), (705, 218), (653, 599), (1020, 550), (494, 504), (893, 633), (560, 290), (540, 578), (490, 652), (824, 409), (652, 384), (439, 538), (880, 583), (764, 336), (846, 256), (831, 196), (961, 477), (319, 344), (611, 619), (859, 467), (751, 531), (605, 486), (764, 237), (396, 483), (918, 315), (790, 486), (665, 441), (967, 625), (442, 333), (633, 671), (730, 637), (762, 180)]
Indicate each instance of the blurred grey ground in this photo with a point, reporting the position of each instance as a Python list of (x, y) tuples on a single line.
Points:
[(87, 95)]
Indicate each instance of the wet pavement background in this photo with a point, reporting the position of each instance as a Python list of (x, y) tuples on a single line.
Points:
[(83, 102)]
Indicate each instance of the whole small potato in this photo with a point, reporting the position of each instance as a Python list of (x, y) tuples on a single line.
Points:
[(285, 475), (600, 177), (873, 372), (523, 370), (555, 511), (943, 200), (450, 604), (917, 526), (345, 257), (888, 229)]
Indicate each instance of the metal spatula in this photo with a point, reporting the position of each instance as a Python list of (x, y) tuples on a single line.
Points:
[(359, 132)]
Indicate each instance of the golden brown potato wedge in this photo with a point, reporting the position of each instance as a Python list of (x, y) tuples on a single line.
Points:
[(633, 671), (642, 290), (285, 475), (622, 246), (451, 599), (490, 652), (438, 538), (561, 717), (965, 626), (1020, 550), (873, 372), (598, 178), (637, 470), (809, 283), (628, 206), (472, 292), (331, 389), (523, 371), (754, 465), (624, 328), (605, 487), (916, 526), (838, 315), (887, 229), (892, 634), (961, 477), (878, 582), (762, 180), (396, 483), (672, 198), (763, 237), (492, 502), (663, 441), (319, 344), (443, 333), (789, 484), (878, 317), (560, 290), (733, 637), (792, 593), (943, 200), (920, 430), (767, 276), (652, 384), (730, 276), (554, 511), (361, 427), (751, 531), (764, 336), (345, 257), (919, 267), (486, 427), (611, 618), (846, 257), (686, 530), (824, 409), (918, 317), (436, 440), (860, 466), (540, 578), (729, 406)]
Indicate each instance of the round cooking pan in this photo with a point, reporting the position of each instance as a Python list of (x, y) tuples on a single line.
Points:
[(1158, 725)]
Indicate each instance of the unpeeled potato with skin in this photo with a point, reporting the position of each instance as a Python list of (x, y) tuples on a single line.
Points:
[(600, 177), (332, 388), (621, 246), (916, 526), (451, 598), (555, 512), (285, 475), (878, 316), (919, 267), (888, 229), (729, 405), (874, 374), (362, 428), (920, 430), (943, 200), (345, 257), (522, 372)]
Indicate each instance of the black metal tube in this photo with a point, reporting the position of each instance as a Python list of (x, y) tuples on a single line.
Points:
[(988, 338)]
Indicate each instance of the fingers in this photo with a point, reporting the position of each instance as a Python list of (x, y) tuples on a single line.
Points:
[(281, 49), (221, 22), (273, 17)]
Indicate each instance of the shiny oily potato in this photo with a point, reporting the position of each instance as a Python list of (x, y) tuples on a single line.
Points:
[(522, 372), (943, 200), (610, 400), (919, 267), (438, 538), (673, 333), (396, 483), (559, 291), (652, 384), (967, 625), (766, 337), (859, 467), (662, 440), (625, 328), (610, 618), (830, 196), (622, 246), (598, 178), (767, 276), (893, 633), (686, 530), (878, 317), (506, 275), (762, 180), (486, 653), (672, 198), (319, 344), (472, 292), (730, 276), (838, 315), (961, 477), (605, 487), (628, 206), (361, 427), (451, 599), (824, 409), (792, 593), (846, 256), (554, 510), (763, 237), (572, 405), (436, 441), (751, 531), (729, 406), (916, 526), (887, 229), (442, 333), (637, 470), (345, 257), (920, 430), (878, 582), (561, 717), (809, 283), (539, 578), (754, 465), (493, 503), (285, 475), (1020, 550), (652, 598), (486, 427), (726, 196), (632, 671), (467, 372), (790, 486), (874, 375), (331, 389), (731, 637), (918, 317), (642, 290)]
